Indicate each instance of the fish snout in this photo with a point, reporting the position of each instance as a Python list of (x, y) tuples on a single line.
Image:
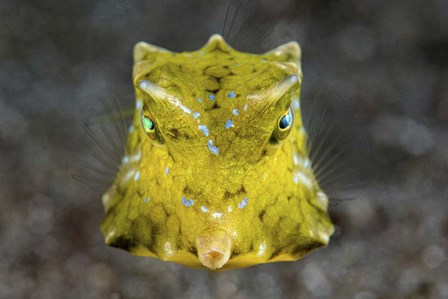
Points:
[(214, 246)]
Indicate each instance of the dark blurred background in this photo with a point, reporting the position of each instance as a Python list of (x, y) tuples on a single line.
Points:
[(388, 59)]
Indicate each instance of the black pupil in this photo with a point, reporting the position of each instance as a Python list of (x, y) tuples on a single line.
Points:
[(285, 121)]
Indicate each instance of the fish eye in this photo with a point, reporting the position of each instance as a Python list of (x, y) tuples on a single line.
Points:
[(286, 120), (148, 124), (282, 130), (284, 125)]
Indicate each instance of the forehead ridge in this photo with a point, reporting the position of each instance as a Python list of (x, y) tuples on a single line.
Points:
[(216, 61), (216, 85)]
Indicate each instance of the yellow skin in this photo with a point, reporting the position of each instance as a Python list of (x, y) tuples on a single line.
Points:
[(205, 192)]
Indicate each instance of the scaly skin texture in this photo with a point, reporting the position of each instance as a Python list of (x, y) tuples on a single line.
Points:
[(204, 194)]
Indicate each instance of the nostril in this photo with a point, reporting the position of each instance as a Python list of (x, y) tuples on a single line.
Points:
[(214, 248)]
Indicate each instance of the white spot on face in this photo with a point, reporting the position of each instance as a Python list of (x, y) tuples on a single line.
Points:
[(137, 156), (307, 163), (167, 170), (262, 249), (229, 209), (300, 177), (296, 158), (296, 178), (144, 84), (217, 215), (138, 104), (137, 176), (127, 176), (322, 198), (245, 107), (185, 109), (168, 248), (296, 104), (204, 209), (292, 79), (132, 158)]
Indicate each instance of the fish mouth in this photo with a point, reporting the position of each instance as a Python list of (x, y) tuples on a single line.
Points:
[(214, 248)]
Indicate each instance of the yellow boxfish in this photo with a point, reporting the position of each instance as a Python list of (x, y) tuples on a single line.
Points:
[(216, 171)]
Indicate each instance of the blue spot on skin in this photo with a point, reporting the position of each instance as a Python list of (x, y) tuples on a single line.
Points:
[(231, 95), (187, 202), (167, 170), (229, 124), (131, 129), (199, 100), (203, 129), (235, 112), (294, 78), (296, 104), (204, 209), (243, 203), (139, 104), (196, 115), (213, 148), (211, 97), (146, 199)]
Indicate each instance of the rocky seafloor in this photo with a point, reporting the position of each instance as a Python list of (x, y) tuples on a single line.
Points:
[(388, 59)]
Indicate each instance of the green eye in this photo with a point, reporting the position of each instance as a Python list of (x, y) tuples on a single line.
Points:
[(147, 123)]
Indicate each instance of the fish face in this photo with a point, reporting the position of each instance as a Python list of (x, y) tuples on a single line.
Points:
[(216, 171)]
